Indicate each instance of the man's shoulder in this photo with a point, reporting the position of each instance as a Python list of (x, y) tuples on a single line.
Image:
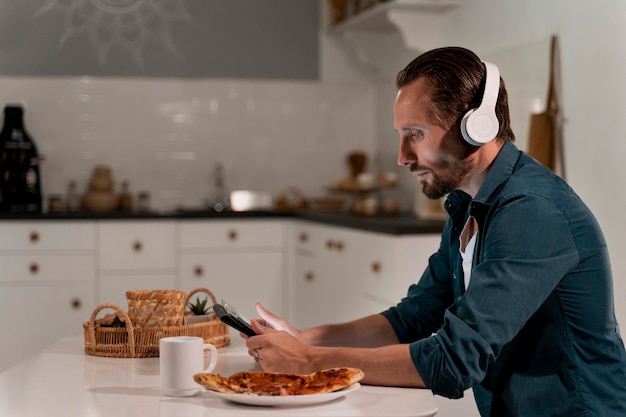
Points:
[(530, 177)]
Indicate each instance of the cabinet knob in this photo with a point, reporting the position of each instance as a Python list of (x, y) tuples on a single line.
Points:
[(198, 271), (76, 303), (332, 244), (309, 277), (34, 237), (376, 267), (303, 237), (34, 268), (137, 246), (232, 235)]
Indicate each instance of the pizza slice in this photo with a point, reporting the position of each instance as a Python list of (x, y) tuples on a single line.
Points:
[(216, 383), (276, 383), (330, 380)]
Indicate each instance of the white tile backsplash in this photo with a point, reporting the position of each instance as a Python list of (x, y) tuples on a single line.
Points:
[(166, 135)]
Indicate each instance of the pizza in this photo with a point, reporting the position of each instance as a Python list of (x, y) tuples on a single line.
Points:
[(276, 383)]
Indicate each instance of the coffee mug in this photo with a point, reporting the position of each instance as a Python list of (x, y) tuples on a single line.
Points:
[(180, 358)]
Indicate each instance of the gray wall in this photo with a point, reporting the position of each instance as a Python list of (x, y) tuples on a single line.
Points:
[(275, 39)]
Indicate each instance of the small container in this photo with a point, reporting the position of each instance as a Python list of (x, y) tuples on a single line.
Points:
[(55, 204), (74, 202), (125, 199), (143, 201)]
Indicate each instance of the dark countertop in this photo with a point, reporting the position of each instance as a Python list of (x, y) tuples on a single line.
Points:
[(404, 224)]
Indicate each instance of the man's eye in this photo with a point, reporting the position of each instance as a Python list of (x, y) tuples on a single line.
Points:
[(417, 134)]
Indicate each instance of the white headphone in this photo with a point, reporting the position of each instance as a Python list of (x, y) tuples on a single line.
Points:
[(480, 125)]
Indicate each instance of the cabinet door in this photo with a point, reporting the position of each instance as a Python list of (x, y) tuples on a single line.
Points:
[(240, 278), (19, 235), (230, 234), (34, 317), (139, 245), (45, 267), (323, 275), (377, 269), (310, 306)]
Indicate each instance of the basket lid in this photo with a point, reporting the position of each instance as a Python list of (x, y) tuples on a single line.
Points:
[(155, 295)]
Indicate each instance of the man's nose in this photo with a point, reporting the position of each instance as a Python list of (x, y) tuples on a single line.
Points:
[(406, 156)]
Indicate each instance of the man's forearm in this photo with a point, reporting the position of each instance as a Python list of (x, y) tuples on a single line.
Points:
[(389, 365), (370, 331)]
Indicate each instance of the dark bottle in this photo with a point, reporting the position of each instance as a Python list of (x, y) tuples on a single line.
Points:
[(20, 185)]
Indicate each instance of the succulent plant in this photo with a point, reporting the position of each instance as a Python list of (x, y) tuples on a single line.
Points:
[(199, 308)]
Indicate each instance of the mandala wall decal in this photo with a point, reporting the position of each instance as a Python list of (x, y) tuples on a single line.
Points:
[(126, 23)]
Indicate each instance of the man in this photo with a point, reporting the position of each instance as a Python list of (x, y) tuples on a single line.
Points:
[(517, 303)]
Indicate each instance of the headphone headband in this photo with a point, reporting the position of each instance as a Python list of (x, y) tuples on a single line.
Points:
[(480, 125)]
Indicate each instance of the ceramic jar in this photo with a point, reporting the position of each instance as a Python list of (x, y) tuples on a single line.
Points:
[(100, 197)]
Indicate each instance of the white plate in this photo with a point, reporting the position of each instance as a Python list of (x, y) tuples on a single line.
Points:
[(285, 400)]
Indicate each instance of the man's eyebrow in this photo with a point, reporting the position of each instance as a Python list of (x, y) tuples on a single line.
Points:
[(412, 127)]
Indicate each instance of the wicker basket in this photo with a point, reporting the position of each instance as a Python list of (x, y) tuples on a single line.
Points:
[(156, 308), (142, 342), (198, 291)]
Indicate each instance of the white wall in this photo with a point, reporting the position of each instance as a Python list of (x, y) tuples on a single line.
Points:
[(165, 135)]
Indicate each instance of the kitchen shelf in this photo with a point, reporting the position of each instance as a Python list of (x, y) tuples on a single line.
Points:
[(375, 19)]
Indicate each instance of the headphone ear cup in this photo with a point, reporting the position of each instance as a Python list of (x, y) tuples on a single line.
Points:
[(479, 127)]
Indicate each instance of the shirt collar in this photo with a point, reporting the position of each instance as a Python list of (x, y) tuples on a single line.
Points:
[(458, 201), (500, 171)]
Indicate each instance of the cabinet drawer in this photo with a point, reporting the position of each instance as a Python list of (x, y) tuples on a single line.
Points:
[(231, 234), (43, 235), (137, 245), (59, 311), (44, 268)]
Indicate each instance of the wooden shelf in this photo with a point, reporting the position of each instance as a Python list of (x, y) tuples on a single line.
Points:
[(375, 19)]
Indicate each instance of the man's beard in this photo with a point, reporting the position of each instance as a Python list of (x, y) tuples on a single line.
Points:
[(445, 178)]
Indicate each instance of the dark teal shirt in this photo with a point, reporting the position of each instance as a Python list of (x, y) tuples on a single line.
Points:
[(535, 332)]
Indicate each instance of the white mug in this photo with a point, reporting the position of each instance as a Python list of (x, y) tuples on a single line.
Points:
[(180, 358)]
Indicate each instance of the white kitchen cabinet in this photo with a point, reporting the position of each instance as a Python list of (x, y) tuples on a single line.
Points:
[(135, 255), (341, 274), (308, 272), (47, 284), (323, 289), (240, 261)]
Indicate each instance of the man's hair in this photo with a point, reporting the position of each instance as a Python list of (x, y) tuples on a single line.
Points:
[(455, 80)]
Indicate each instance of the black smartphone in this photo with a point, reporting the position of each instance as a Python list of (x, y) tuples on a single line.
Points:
[(233, 319)]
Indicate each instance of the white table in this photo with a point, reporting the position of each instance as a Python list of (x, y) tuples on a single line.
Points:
[(62, 381)]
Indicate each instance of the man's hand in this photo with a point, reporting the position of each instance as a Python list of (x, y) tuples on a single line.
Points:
[(277, 346), (269, 320)]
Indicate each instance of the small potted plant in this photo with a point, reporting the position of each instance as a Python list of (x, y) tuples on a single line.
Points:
[(199, 311)]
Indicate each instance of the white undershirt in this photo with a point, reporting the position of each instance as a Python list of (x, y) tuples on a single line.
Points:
[(467, 241), (468, 257)]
